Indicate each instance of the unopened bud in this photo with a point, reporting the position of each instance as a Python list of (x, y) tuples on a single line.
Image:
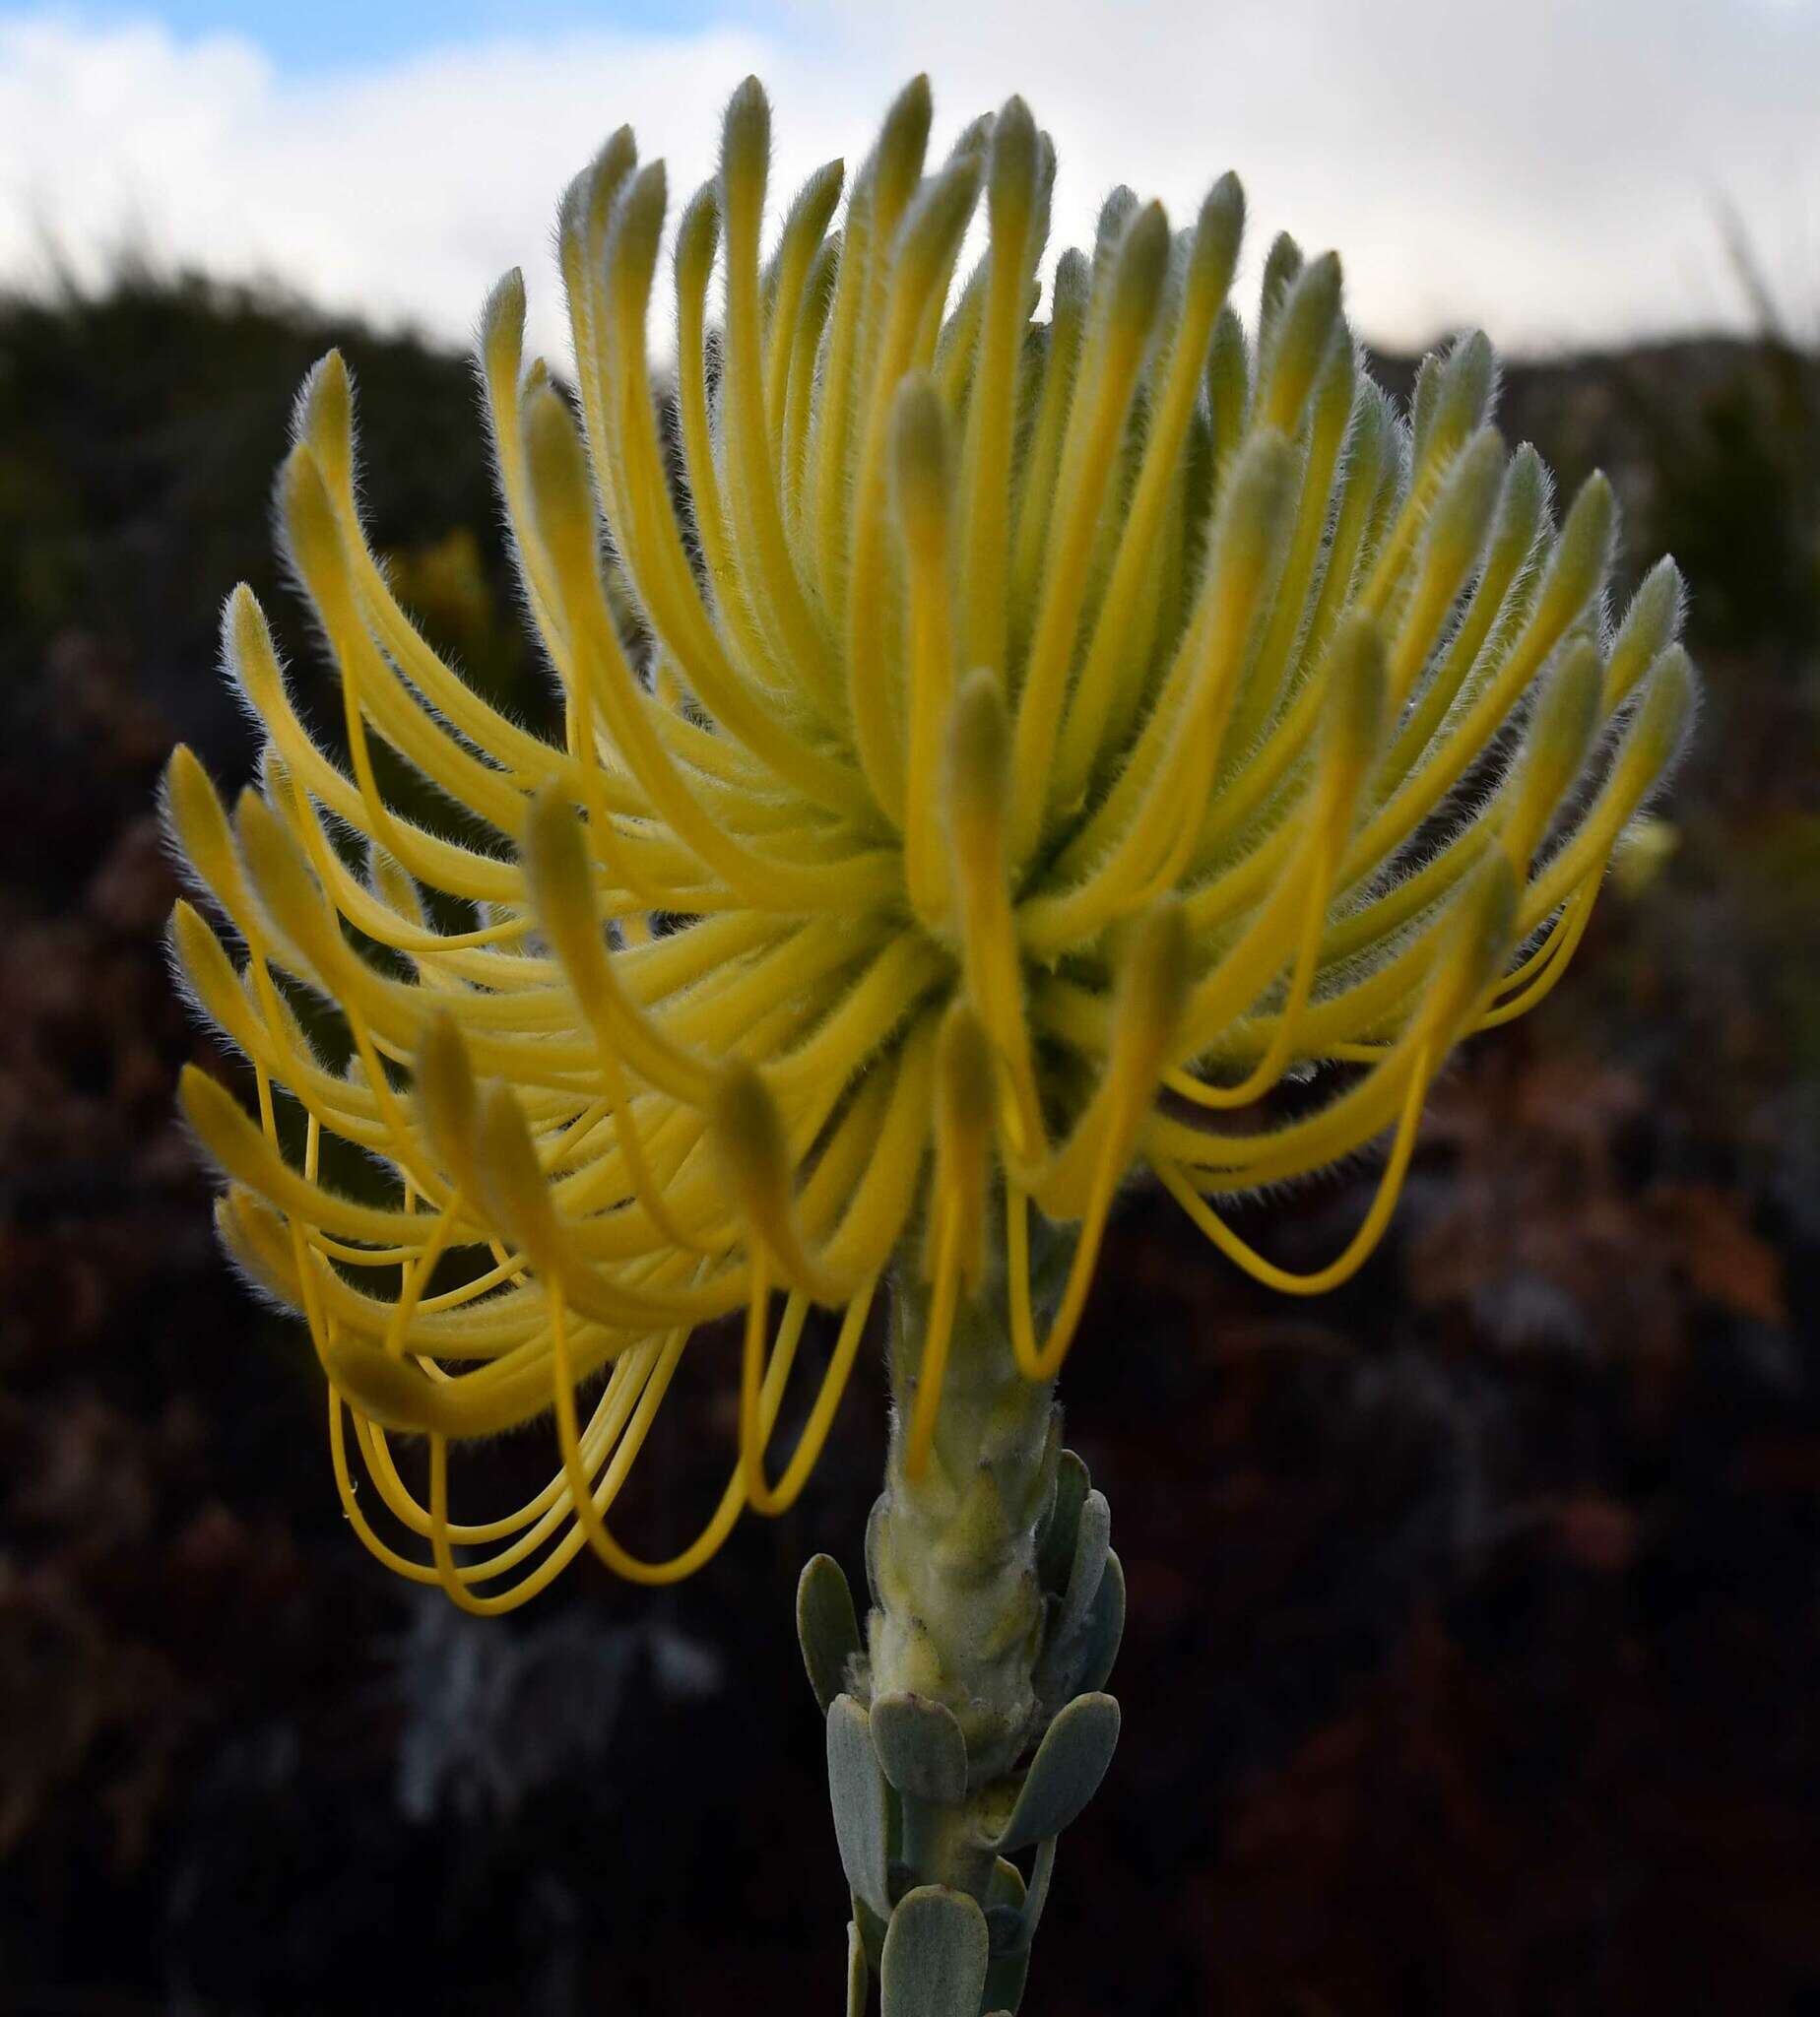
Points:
[(805, 228), (246, 650), (1068, 299), (1582, 554), (1665, 714), (1561, 731), (637, 229), (1650, 626), (920, 465), (896, 162), (323, 417), (964, 1075), (502, 328), (447, 1100), (286, 884), (561, 497), (816, 201), (1305, 329), (1256, 511), (1228, 380), (1463, 391), (1011, 178), (311, 532), (1115, 216), (1357, 702), (1153, 986), (555, 864), (745, 146), (1139, 272), (936, 221), (512, 1182), (1282, 263), (587, 203), (979, 741), (1522, 501), (203, 960), (1336, 389), (199, 822), (974, 138), (698, 237), (219, 1122), (1220, 230), (748, 1137), (1645, 849)]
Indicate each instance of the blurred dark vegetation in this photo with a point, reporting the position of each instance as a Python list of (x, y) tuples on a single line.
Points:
[(1475, 1644)]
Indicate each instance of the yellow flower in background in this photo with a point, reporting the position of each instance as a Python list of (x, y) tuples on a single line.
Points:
[(994, 747)]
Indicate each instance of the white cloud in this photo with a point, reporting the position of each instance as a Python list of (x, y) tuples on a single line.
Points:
[(405, 192), (1555, 180)]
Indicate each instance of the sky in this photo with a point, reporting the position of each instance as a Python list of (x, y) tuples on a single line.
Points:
[(1552, 171)]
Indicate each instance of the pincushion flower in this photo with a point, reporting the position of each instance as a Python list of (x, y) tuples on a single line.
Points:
[(998, 743)]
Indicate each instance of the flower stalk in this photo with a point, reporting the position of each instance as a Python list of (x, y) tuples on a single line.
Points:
[(966, 1724)]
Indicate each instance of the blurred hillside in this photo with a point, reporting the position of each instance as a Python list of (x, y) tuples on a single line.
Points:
[(1474, 1642)]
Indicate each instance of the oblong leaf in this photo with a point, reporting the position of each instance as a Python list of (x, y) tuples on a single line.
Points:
[(859, 1976), (920, 1747), (1105, 1628), (1008, 1935), (828, 1627), (856, 1790), (1055, 1551), (1066, 1771), (935, 1955), (1092, 1542)]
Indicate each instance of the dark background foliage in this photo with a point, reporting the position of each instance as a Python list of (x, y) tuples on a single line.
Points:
[(1474, 1643)]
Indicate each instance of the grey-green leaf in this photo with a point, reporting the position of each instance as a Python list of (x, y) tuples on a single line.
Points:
[(1009, 1937), (1056, 1549), (1006, 1886), (935, 1955), (828, 1627), (1042, 1871), (856, 1790), (871, 1930), (1066, 1771), (1099, 1643), (921, 1747), (859, 1977), (1092, 1539)]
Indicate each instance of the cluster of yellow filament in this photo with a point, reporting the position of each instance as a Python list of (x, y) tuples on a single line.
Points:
[(991, 743)]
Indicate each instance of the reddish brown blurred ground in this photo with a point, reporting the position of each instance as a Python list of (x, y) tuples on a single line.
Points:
[(1475, 1644)]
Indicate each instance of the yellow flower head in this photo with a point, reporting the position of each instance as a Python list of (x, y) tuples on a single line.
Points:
[(993, 746)]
